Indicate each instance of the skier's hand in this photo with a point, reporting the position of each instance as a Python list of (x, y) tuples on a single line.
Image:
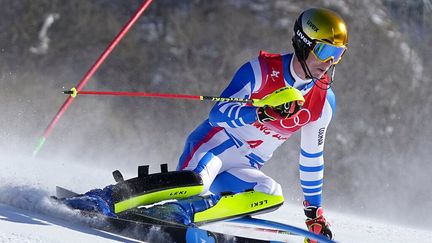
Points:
[(289, 109), (316, 222), (281, 112)]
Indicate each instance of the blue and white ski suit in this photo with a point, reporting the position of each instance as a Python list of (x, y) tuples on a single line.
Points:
[(230, 147)]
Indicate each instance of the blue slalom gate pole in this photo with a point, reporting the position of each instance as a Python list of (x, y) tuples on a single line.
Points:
[(284, 227)]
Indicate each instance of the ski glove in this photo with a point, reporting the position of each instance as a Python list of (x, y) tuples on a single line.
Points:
[(316, 222), (281, 112)]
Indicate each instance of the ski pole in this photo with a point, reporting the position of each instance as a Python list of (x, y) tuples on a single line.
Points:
[(281, 96), (90, 73), (74, 92)]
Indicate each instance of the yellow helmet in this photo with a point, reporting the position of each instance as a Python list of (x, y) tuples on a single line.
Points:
[(319, 25)]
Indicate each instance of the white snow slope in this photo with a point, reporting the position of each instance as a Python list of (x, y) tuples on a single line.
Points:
[(27, 215)]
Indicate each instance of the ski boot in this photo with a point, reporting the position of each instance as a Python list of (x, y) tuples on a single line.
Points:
[(182, 211), (96, 200), (316, 222)]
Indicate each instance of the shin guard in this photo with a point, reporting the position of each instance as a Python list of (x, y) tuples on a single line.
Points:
[(237, 205), (151, 188)]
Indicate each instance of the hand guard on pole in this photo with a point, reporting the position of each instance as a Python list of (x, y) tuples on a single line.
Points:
[(281, 112), (279, 97), (316, 222)]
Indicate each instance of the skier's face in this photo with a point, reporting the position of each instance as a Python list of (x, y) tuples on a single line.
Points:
[(317, 67)]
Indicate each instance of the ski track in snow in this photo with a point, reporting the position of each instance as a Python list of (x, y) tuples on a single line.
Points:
[(28, 215)]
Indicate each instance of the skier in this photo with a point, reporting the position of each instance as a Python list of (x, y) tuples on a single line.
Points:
[(228, 149)]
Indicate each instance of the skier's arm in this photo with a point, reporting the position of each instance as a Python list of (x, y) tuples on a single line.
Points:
[(235, 114), (311, 156)]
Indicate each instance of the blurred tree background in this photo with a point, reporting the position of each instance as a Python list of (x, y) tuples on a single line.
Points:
[(378, 145)]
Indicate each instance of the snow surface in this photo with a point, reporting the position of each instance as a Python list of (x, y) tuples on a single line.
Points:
[(27, 214)]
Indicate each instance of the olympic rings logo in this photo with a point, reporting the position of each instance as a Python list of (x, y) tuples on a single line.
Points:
[(296, 119)]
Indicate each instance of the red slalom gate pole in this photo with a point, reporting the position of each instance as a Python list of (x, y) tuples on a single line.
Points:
[(90, 73)]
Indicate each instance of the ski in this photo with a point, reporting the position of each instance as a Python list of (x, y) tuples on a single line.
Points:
[(64, 193), (134, 225)]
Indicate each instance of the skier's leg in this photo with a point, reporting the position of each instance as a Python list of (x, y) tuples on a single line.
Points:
[(204, 153), (182, 211), (249, 177), (208, 168), (205, 159), (263, 193)]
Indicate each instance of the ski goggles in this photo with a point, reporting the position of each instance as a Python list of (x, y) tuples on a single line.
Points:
[(324, 52)]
